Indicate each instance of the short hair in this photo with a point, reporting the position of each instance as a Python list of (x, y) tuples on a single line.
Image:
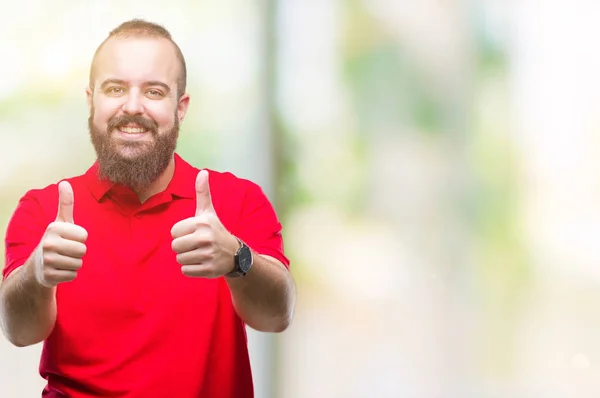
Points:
[(142, 28)]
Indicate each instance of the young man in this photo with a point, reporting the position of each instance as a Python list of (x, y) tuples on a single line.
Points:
[(140, 275)]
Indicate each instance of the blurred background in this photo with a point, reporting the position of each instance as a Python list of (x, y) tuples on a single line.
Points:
[(435, 164)]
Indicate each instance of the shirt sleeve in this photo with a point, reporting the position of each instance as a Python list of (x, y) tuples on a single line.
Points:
[(24, 232), (259, 226)]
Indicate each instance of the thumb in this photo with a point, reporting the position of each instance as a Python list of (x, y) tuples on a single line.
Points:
[(203, 198), (65, 202)]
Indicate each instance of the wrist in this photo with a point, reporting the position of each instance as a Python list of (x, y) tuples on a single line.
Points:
[(33, 273), (29, 282), (242, 259), (233, 246)]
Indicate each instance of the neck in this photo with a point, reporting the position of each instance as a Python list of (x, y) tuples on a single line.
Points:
[(159, 185)]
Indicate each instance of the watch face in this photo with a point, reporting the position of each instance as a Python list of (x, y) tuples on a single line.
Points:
[(245, 259)]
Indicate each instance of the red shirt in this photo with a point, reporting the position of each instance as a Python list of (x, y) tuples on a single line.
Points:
[(131, 324)]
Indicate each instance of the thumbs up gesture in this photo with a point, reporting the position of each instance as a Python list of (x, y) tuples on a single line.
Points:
[(63, 245), (205, 249)]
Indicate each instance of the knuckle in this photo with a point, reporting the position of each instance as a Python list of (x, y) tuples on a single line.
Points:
[(82, 250), (77, 233), (48, 258), (210, 251), (198, 236), (206, 237), (52, 227), (49, 275), (48, 245), (200, 221)]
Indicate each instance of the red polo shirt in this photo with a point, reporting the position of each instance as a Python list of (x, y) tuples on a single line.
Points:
[(131, 324)]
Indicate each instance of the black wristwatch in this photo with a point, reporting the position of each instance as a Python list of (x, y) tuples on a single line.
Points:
[(242, 261)]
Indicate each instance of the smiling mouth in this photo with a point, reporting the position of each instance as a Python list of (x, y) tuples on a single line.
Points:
[(132, 130)]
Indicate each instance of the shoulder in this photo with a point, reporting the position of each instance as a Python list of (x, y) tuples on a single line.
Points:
[(229, 180), (220, 181), (43, 194), (247, 193)]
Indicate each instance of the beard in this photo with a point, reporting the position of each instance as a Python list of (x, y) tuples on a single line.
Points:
[(143, 162)]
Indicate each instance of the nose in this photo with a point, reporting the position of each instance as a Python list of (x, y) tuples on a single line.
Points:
[(133, 104)]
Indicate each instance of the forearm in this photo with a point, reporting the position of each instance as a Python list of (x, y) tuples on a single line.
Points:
[(265, 297), (27, 309)]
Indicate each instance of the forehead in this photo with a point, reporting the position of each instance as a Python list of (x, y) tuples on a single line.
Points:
[(137, 59)]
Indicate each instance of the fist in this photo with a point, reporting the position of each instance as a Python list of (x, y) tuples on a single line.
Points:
[(205, 249), (62, 247)]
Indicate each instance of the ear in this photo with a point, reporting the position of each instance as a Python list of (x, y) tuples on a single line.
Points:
[(90, 98), (182, 106)]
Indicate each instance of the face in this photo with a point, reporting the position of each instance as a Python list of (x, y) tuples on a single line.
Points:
[(134, 109)]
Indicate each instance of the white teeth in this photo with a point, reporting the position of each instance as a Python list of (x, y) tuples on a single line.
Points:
[(132, 130)]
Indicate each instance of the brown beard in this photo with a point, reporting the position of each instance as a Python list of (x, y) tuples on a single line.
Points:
[(150, 159)]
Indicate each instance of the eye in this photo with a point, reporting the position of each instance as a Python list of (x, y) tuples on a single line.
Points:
[(154, 93), (115, 90)]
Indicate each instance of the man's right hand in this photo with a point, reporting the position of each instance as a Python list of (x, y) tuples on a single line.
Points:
[(62, 247)]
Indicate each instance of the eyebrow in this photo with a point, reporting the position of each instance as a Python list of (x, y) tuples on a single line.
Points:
[(124, 83)]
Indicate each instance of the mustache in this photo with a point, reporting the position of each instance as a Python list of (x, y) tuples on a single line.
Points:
[(123, 120)]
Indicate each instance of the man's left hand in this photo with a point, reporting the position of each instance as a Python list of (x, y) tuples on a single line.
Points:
[(205, 249)]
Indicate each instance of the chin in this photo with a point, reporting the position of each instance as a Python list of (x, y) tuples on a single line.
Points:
[(127, 152)]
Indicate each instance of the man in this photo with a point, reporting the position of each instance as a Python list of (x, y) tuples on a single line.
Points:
[(140, 275)]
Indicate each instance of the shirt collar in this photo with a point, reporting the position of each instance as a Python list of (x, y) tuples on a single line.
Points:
[(181, 185), (183, 182)]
